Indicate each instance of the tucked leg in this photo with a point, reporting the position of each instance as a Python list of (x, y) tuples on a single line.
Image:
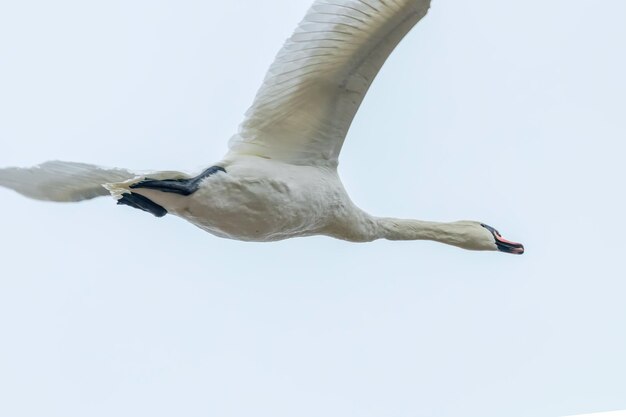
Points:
[(185, 186), (179, 186)]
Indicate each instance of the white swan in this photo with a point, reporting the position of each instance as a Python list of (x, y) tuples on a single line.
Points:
[(279, 179)]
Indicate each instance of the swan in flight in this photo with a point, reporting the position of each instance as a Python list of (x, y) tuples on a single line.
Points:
[(279, 178)]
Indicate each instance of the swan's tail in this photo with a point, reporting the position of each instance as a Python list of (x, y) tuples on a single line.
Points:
[(71, 181), (63, 181)]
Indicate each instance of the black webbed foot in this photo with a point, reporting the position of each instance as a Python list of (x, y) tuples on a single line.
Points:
[(142, 203), (183, 186)]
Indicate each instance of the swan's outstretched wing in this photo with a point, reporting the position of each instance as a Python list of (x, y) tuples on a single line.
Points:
[(62, 181), (312, 91)]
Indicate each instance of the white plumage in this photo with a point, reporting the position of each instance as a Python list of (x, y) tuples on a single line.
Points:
[(312, 91), (279, 178)]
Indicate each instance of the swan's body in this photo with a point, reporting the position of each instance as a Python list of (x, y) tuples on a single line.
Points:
[(279, 179), (267, 201)]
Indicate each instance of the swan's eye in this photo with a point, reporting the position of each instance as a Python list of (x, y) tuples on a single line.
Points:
[(491, 229)]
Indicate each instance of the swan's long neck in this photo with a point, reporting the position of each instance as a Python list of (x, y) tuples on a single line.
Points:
[(359, 226), (403, 229), (462, 234)]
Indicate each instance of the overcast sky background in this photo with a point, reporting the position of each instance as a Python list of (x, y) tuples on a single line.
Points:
[(511, 113)]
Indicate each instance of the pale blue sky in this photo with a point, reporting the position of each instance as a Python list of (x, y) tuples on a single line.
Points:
[(506, 112)]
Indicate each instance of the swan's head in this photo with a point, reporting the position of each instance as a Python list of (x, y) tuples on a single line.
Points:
[(473, 235), (497, 242)]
